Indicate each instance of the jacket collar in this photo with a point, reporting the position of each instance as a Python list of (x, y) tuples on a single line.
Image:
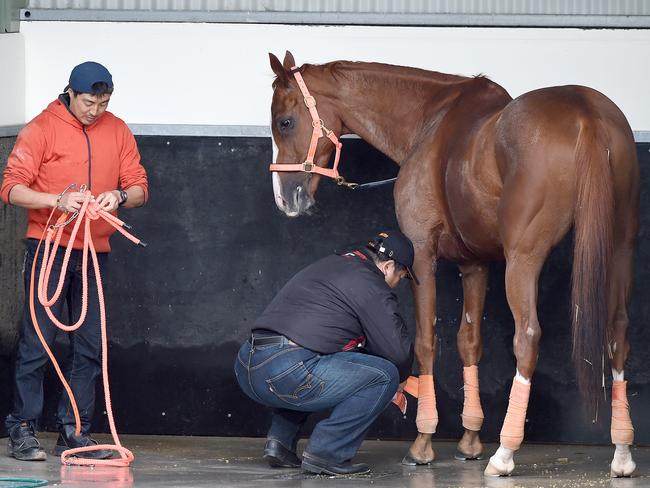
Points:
[(364, 257), (60, 108)]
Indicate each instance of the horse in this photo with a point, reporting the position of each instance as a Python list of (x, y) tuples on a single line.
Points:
[(483, 177)]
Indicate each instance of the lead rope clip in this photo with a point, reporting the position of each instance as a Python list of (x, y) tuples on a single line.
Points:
[(340, 181)]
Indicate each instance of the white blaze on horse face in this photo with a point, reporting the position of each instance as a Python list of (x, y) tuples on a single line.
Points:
[(277, 185), (275, 150), (277, 191)]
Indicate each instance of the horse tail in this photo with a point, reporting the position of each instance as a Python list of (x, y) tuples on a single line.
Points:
[(593, 223)]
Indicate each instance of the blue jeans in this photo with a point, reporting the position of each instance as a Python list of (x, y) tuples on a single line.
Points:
[(83, 363), (296, 381)]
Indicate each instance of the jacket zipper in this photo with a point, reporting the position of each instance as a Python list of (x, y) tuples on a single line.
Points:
[(89, 156)]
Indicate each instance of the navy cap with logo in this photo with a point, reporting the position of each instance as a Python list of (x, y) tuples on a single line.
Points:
[(85, 75), (396, 246)]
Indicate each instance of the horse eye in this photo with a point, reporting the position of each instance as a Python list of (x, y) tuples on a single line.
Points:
[(286, 125)]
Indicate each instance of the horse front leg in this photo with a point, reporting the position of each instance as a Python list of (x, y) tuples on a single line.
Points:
[(469, 348), (421, 452)]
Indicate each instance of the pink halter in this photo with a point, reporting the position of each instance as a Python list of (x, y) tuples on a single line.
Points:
[(319, 129)]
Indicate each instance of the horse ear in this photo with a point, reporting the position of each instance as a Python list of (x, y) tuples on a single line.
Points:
[(278, 69), (288, 62)]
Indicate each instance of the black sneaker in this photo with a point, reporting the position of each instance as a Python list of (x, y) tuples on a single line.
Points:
[(67, 440), (279, 456), (23, 444), (316, 465)]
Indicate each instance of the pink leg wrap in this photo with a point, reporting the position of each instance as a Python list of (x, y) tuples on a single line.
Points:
[(512, 432), (622, 430), (427, 417), (411, 386), (399, 399), (472, 412)]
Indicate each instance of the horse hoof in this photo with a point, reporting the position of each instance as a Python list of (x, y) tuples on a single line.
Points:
[(622, 469), (496, 468), (409, 460), (461, 456)]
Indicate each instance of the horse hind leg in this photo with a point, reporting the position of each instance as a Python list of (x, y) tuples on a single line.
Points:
[(470, 348), (622, 431), (524, 260)]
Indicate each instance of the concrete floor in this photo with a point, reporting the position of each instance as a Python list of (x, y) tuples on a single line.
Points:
[(165, 461)]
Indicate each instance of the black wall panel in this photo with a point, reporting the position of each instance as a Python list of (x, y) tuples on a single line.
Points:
[(218, 251)]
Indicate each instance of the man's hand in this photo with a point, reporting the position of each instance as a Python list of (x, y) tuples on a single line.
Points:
[(109, 200), (71, 201)]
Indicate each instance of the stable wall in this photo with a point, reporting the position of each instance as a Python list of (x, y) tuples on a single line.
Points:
[(218, 74), (218, 252), (12, 80)]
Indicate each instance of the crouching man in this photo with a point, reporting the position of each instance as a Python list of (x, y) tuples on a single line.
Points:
[(331, 339)]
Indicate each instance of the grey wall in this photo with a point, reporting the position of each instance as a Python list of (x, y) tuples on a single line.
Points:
[(12, 225)]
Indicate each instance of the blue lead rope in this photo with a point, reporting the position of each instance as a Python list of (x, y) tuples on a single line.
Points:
[(373, 184)]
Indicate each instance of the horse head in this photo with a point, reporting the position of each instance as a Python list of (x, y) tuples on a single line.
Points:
[(298, 129)]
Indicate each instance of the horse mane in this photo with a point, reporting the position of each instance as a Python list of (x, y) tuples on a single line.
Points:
[(349, 69), (358, 71)]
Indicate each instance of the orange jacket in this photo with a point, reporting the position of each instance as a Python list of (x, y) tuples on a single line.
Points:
[(55, 149)]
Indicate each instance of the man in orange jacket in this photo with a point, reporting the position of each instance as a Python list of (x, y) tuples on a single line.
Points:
[(74, 140)]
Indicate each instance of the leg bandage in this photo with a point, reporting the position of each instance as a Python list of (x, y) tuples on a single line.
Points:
[(411, 386), (399, 399), (622, 430), (472, 412), (427, 417), (512, 432)]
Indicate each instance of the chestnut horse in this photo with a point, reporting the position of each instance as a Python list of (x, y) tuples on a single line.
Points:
[(483, 177)]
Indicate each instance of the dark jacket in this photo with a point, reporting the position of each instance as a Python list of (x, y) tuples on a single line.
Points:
[(340, 303)]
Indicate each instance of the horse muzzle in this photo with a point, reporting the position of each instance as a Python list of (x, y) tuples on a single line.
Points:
[(292, 199)]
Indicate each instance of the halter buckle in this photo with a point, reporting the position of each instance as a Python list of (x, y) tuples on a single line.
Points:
[(308, 167), (310, 101)]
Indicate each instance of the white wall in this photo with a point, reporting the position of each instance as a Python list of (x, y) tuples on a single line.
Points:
[(219, 74), (12, 79)]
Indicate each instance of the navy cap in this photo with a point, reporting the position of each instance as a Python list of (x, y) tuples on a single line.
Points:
[(396, 246), (85, 75)]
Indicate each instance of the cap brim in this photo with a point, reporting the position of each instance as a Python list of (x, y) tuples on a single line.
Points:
[(411, 275)]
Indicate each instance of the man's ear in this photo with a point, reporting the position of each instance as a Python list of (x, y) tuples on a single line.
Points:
[(385, 266)]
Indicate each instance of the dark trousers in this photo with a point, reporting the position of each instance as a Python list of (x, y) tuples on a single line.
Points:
[(83, 362), (295, 381)]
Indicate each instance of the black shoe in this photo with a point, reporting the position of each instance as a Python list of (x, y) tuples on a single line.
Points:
[(23, 444), (318, 466), (67, 440), (279, 456)]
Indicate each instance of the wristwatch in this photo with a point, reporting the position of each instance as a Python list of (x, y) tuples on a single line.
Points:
[(123, 197)]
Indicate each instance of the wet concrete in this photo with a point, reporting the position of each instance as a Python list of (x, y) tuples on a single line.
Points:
[(165, 461)]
